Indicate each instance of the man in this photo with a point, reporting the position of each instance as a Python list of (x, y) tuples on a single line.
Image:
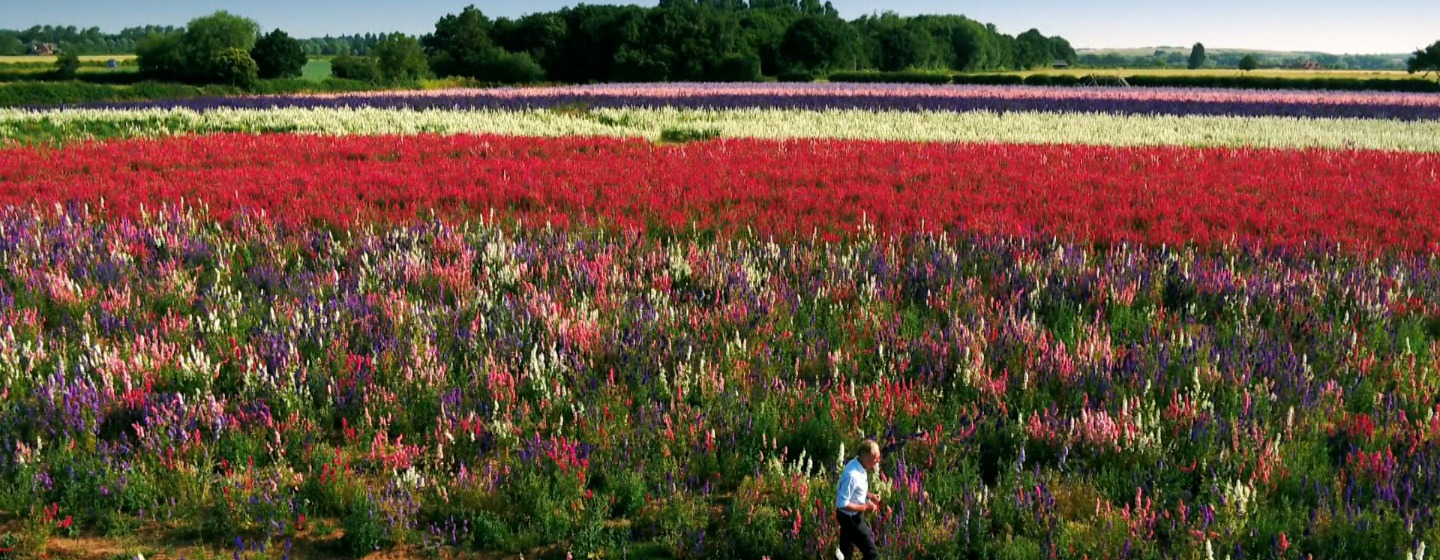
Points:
[(853, 499)]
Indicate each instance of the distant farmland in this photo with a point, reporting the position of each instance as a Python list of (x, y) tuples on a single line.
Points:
[(1268, 73)]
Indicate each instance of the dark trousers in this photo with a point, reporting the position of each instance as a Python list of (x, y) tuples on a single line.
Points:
[(855, 533)]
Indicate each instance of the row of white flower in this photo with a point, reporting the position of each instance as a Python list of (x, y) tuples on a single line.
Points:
[(1102, 129)]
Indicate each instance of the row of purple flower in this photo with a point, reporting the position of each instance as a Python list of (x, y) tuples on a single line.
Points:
[(889, 97)]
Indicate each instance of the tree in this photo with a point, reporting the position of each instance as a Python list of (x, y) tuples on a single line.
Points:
[(67, 66), (1197, 56), (1425, 60), (208, 36), (1032, 50), (1248, 62), (399, 59), (976, 47), (234, 67), (819, 43), (11, 45), (278, 56), (460, 44), (897, 43), (1061, 50), (161, 56)]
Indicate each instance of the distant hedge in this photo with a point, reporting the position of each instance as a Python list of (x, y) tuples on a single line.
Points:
[(892, 77), (1246, 82), (1270, 82), (12, 75), (989, 79), (34, 93)]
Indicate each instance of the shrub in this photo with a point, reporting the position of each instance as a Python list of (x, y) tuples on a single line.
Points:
[(364, 532), (235, 67), (357, 68), (277, 55), (737, 68), (683, 135), (67, 66), (989, 79), (904, 77), (796, 76), (511, 68)]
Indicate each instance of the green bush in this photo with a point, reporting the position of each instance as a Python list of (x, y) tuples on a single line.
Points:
[(796, 76), (1052, 80), (757, 534), (358, 68), (511, 68), (489, 532), (67, 66), (364, 530), (683, 135), (277, 55), (737, 68), (989, 79), (235, 67), (903, 77)]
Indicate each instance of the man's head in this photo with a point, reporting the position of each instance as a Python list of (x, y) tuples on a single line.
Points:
[(869, 454)]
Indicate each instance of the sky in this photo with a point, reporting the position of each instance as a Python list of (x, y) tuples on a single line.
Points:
[(1333, 26)]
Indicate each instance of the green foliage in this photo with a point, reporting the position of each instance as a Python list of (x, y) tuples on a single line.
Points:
[(1264, 82), (817, 44), (162, 56), (1032, 50), (67, 65), (1053, 80), (989, 79), (674, 41), (1197, 56), (683, 135), (359, 68), (977, 48), (461, 44), (277, 55), (208, 38), (736, 68), (1248, 62), (510, 68), (203, 53), (364, 529), (234, 67), (399, 60), (908, 77), (1424, 60)]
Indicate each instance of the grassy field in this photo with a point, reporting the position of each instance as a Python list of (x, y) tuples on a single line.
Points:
[(316, 70)]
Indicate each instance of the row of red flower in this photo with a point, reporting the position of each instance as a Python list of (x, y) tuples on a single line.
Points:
[(1209, 196)]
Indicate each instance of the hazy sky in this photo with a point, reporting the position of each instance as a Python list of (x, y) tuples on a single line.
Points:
[(1373, 26)]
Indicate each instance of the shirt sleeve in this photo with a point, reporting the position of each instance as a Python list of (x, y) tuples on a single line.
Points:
[(842, 494)]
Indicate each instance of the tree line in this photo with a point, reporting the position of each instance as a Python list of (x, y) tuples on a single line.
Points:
[(15, 42), (1178, 58), (678, 40)]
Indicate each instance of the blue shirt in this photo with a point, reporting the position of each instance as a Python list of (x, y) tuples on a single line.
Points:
[(854, 487)]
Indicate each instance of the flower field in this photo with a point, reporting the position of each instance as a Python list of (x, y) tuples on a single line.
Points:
[(68, 125), (318, 332), (1143, 101)]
